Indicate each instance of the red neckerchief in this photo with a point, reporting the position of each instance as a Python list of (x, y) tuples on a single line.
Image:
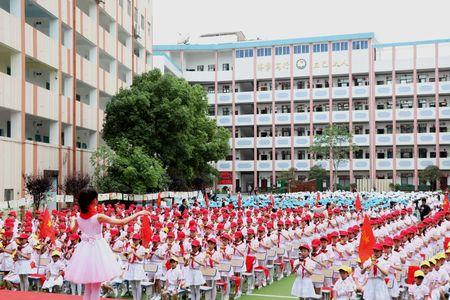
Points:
[(89, 214)]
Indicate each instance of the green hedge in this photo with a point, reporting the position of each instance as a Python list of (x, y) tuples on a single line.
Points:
[(410, 187)]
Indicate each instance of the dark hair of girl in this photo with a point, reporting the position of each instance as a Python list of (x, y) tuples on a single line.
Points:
[(85, 198)]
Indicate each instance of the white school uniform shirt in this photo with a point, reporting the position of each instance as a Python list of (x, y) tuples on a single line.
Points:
[(418, 292), (174, 277), (358, 277), (55, 267), (345, 289), (194, 264), (307, 264), (382, 264), (442, 276)]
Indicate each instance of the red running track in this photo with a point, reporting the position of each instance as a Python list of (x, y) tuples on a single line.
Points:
[(14, 295)]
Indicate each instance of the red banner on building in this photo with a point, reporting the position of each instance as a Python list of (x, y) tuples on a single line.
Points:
[(226, 178)]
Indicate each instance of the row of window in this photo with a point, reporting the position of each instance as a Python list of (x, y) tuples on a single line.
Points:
[(244, 53), (301, 49)]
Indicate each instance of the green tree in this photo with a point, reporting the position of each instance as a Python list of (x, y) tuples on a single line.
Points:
[(168, 119), (335, 144), (430, 174), (128, 169), (288, 176), (319, 174)]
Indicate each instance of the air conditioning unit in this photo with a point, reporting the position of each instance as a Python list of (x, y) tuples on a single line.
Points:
[(136, 31), (100, 1), (37, 73)]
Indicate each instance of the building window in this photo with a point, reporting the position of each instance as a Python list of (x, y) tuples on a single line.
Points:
[(225, 111), (336, 46), (344, 46), (142, 21), (278, 50), (200, 68), (264, 51), (226, 89), (406, 153), (423, 152), (285, 50), (422, 128), (324, 48), (129, 7), (360, 45), (301, 49), (225, 67), (211, 68), (244, 53), (316, 48), (149, 30)]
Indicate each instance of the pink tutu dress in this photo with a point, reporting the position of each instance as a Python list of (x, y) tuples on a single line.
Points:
[(93, 260)]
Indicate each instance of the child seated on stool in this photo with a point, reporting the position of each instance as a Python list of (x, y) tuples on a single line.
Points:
[(12, 279), (174, 280), (418, 291), (54, 273), (345, 287)]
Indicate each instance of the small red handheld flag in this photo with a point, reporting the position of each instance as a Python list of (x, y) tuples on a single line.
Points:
[(446, 204), (146, 231), (158, 201), (358, 203), (46, 229), (366, 241)]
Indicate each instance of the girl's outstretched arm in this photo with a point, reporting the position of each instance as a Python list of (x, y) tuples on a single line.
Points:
[(113, 221)]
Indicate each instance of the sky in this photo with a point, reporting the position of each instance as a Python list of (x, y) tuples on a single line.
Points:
[(390, 20)]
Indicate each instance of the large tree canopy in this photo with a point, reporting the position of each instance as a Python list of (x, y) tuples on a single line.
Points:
[(127, 169), (167, 118)]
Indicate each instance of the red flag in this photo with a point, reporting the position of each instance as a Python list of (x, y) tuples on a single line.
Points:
[(317, 198), (366, 241), (46, 229), (446, 204), (158, 201), (272, 199), (206, 200), (146, 231), (239, 200), (358, 203)]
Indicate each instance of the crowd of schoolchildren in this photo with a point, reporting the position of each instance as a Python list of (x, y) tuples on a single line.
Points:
[(227, 247)]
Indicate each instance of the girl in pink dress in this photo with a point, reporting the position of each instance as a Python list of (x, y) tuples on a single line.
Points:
[(93, 261)]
